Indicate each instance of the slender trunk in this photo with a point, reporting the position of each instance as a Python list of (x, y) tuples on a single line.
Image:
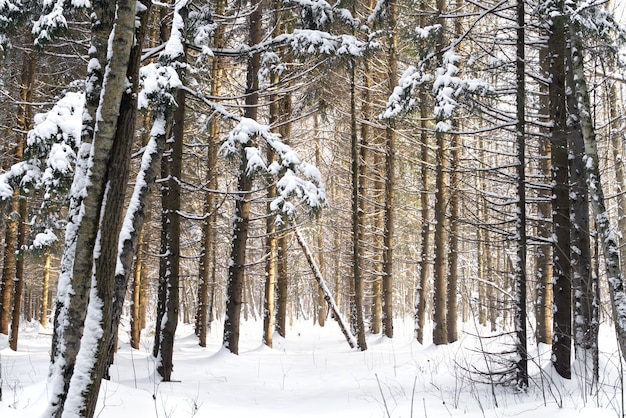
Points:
[(424, 268), (390, 158), (135, 321), (242, 200), (24, 122), (18, 290), (327, 295), (520, 222), (452, 304), (543, 273), (171, 255), (321, 303), (208, 235), (45, 288)]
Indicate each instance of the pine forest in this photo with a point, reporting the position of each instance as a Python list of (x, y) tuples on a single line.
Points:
[(450, 167)]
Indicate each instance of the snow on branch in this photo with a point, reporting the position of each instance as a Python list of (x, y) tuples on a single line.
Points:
[(50, 151), (446, 88), (402, 98), (52, 19), (160, 79), (592, 16), (379, 12), (307, 41), (295, 178)]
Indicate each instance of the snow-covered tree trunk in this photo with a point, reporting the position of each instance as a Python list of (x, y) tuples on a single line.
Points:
[(78, 372), (606, 235), (124, 135), (582, 284), (170, 197)]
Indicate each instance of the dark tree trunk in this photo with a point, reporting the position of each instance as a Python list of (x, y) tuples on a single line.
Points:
[(562, 322)]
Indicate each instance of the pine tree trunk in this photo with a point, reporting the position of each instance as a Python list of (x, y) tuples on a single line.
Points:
[(135, 318), (561, 345), (543, 273), (208, 235), (452, 305), (605, 235), (581, 241), (424, 268), (242, 200), (356, 299), (45, 288), (390, 158), (171, 259), (24, 117), (520, 222), (282, 287)]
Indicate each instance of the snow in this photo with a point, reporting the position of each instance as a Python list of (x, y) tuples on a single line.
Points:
[(309, 41), (313, 373)]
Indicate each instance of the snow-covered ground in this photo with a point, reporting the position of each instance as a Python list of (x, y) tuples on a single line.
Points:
[(313, 373)]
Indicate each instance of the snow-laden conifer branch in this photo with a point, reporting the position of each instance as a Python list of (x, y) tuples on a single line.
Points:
[(295, 178), (50, 151), (316, 42), (52, 20), (11, 12), (319, 14)]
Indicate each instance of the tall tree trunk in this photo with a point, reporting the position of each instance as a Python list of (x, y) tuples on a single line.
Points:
[(581, 241), (208, 223), (321, 303), (45, 288), (244, 186), (97, 227), (135, 306), (24, 117), (543, 273), (440, 327), (424, 268), (520, 222), (356, 302), (605, 235), (390, 158), (171, 255), (452, 305), (562, 322)]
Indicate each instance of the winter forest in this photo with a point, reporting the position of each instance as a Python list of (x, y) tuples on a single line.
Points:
[(418, 204)]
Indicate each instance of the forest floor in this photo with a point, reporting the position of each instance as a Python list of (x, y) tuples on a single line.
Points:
[(313, 373)]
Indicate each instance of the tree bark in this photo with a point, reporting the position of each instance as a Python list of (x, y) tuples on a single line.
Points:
[(390, 158), (561, 345), (208, 223), (520, 222), (242, 200)]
